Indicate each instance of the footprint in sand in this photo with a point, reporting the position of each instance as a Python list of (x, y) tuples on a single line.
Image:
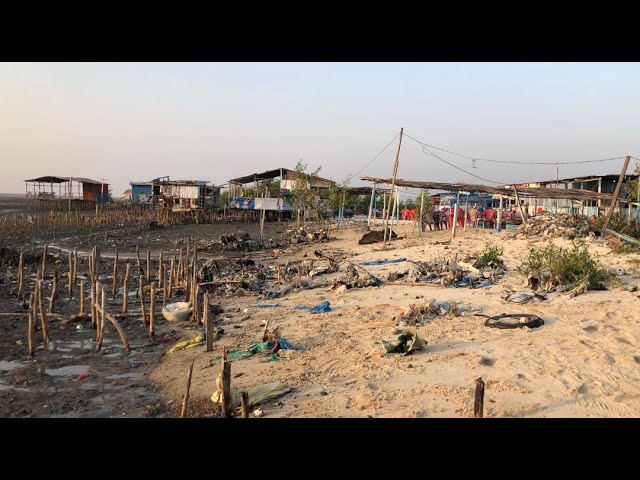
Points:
[(590, 329), (636, 358), (489, 362)]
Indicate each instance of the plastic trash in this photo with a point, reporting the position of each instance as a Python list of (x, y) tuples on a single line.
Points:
[(177, 312)]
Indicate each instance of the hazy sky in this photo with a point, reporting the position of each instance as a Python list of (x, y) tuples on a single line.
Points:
[(216, 121)]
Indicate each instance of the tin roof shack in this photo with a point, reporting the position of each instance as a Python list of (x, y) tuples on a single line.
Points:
[(66, 192), (176, 195), (594, 183), (271, 190), (181, 195)]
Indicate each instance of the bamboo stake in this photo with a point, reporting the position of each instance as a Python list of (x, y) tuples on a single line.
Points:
[(44, 262), (160, 266), (75, 267), (101, 311), (227, 405), (171, 273), (142, 305), (152, 310), (148, 265), (208, 324), (125, 292), (245, 404), (478, 406), (70, 276), (54, 292), (138, 262), (31, 328), (114, 288), (93, 304), (43, 316), (185, 400), (164, 288), (21, 275), (82, 284)]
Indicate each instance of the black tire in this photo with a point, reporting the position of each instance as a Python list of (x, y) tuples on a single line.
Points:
[(533, 321)]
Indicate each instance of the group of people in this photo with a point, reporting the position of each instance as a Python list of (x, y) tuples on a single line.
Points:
[(440, 219)]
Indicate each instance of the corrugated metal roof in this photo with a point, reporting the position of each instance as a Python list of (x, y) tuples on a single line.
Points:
[(54, 179)]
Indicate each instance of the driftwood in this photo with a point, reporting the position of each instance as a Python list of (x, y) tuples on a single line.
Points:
[(478, 406), (121, 332)]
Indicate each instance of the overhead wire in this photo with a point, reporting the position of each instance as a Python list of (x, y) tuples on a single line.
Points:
[(373, 159)]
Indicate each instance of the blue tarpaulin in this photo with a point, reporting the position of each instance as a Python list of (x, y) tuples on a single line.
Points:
[(384, 261), (321, 308)]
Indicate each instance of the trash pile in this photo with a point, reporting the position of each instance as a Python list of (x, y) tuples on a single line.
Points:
[(308, 234), (412, 314), (559, 225), (355, 277), (238, 242), (449, 274), (408, 342)]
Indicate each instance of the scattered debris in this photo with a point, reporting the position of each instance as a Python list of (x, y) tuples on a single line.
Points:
[(257, 395), (199, 340), (514, 320), (559, 225), (384, 261), (523, 296), (323, 307), (408, 342)]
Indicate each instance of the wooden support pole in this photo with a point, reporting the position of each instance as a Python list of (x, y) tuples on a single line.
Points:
[(164, 288), (160, 265), (420, 225), (139, 271), (21, 275), (152, 310), (141, 294), (393, 183), (616, 192), (373, 194), (245, 404), (171, 275), (455, 216), (499, 215), (75, 269), (44, 262), (43, 316), (478, 405), (82, 284), (185, 400), (125, 288), (70, 275), (208, 323), (227, 404), (54, 293), (100, 320), (515, 190), (114, 287), (148, 266), (31, 328), (94, 299)]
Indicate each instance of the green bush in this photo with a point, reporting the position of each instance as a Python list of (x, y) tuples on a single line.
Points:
[(490, 256), (567, 266)]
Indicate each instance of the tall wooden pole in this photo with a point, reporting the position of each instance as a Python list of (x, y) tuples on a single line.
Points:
[(499, 216), (616, 192), (421, 210), (393, 184), (373, 194), (455, 216), (515, 190)]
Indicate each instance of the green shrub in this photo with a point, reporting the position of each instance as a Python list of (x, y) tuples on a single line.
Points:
[(567, 266), (490, 256)]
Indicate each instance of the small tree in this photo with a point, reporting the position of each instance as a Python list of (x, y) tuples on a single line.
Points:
[(302, 195), (632, 186)]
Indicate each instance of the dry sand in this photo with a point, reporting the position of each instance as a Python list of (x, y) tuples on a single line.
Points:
[(584, 362)]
